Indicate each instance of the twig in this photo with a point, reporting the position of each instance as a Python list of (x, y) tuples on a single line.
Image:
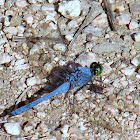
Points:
[(110, 15), (91, 10), (23, 93), (22, 38)]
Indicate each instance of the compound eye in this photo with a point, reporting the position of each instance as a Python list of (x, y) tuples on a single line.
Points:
[(96, 68)]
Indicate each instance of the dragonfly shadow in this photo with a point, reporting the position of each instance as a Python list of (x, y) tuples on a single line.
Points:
[(55, 79)]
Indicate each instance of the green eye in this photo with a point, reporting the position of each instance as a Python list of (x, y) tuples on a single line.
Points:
[(96, 68)]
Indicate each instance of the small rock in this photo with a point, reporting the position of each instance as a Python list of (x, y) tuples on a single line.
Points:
[(41, 115), (133, 25), (32, 1), (5, 58), (55, 102), (64, 131), (28, 127), (6, 22), (29, 19), (48, 7), (2, 2), (101, 19), (43, 127), (69, 37), (40, 1), (20, 29), (123, 19), (20, 62), (128, 71), (70, 9), (12, 128), (106, 47), (21, 3), (136, 37), (134, 8), (11, 30), (106, 69), (135, 61), (21, 67), (33, 81), (118, 7), (86, 59), (48, 67), (52, 1), (59, 47)]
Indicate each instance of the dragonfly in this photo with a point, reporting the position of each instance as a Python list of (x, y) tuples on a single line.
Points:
[(78, 78)]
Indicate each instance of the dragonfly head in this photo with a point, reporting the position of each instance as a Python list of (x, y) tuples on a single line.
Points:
[(96, 68)]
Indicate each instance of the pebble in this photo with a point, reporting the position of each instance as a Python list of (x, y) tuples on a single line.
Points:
[(52, 1), (128, 71), (106, 69), (28, 127), (32, 1), (41, 115), (6, 21), (64, 131), (70, 9), (118, 7), (21, 3), (55, 102), (123, 19), (13, 128), (106, 47), (5, 58), (11, 30), (100, 20), (29, 19), (59, 47), (86, 59), (33, 81), (21, 67), (133, 25), (134, 8), (136, 37), (135, 61), (2, 2)]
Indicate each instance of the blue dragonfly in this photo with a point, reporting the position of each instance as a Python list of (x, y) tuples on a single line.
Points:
[(78, 78)]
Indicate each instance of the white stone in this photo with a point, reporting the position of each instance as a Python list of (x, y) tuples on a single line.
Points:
[(33, 81), (5, 58), (136, 37), (50, 18), (20, 29), (106, 69), (138, 76), (55, 102), (86, 59), (11, 30), (29, 19), (21, 3), (13, 128), (70, 9), (41, 115), (2, 2), (32, 1), (59, 47), (123, 19), (135, 61), (40, 1), (64, 130), (21, 67), (48, 7), (128, 71), (6, 21), (48, 67), (133, 25), (69, 37), (72, 24), (118, 6), (52, 1), (101, 19), (20, 62)]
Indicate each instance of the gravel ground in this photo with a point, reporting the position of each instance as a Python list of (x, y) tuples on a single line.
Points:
[(111, 111)]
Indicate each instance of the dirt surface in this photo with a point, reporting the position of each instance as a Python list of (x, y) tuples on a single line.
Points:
[(106, 108)]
